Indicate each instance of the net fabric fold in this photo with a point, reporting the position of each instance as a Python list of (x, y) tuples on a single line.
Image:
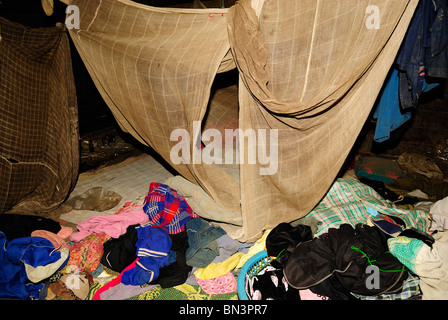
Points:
[(39, 153)]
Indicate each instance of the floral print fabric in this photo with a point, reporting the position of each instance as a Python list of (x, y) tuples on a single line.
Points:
[(86, 255)]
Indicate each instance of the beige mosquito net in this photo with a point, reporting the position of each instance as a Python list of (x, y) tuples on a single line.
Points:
[(309, 73)]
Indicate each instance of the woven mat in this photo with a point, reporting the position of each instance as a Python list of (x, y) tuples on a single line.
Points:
[(181, 292)]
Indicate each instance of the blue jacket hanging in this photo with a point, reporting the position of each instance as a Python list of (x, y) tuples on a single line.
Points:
[(423, 54), (388, 112), (424, 49)]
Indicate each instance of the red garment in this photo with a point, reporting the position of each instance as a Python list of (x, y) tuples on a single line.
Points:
[(113, 282)]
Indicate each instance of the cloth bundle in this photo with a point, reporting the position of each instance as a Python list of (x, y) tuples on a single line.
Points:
[(166, 208), (346, 252), (202, 244), (167, 212), (113, 225), (25, 262), (430, 263), (154, 251), (33, 249)]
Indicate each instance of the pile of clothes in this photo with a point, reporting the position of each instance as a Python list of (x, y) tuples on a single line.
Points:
[(159, 243), (349, 263), (353, 245), (144, 243), (32, 250), (383, 257)]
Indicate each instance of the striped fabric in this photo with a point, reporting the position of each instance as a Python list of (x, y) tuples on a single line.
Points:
[(143, 252), (167, 208), (348, 200)]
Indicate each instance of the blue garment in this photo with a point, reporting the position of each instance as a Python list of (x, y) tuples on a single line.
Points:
[(388, 111), (423, 53), (15, 256), (203, 247), (388, 114), (424, 49), (437, 64), (153, 248)]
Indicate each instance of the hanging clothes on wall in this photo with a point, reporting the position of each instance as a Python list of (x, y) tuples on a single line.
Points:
[(421, 63), (388, 112)]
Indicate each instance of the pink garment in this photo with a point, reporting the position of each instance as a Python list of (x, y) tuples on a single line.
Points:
[(65, 232), (307, 294), (220, 285), (54, 238), (113, 282), (113, 225)]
